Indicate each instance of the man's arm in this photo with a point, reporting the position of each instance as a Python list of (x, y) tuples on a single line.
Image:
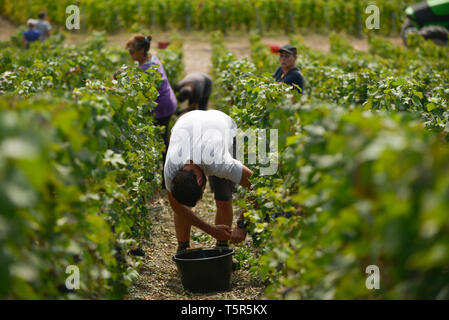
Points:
[(239, 234), (194, 99), (179, 85), (296, 78), (300, 81), (246, 174), (218, 232)]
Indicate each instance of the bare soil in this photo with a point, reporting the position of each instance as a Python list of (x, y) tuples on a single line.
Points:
[(7, 29)]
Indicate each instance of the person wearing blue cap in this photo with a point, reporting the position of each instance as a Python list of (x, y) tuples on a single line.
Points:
[(31, 34), (288, 72)]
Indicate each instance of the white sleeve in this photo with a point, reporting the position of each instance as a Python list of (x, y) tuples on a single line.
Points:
[(168, 182), (170, 171)]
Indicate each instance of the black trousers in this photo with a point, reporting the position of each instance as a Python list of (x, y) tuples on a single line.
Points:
[(204, 101), (224, 188)]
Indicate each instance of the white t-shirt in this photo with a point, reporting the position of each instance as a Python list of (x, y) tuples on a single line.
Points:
[(205, 137), (43, 26)]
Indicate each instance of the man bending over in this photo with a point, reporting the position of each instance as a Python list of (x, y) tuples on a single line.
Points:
[(203, 144)]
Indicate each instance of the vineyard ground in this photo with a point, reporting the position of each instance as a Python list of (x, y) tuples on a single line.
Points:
[(159, 279)]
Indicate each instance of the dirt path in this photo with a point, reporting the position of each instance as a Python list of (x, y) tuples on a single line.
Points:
[(7, 28), (159, 279), (197, 55)]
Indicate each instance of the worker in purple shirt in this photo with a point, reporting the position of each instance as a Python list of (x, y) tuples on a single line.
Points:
[(31, 34), (138, 47)]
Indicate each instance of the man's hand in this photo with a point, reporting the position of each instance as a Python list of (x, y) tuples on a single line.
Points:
[(238, 235), (221, 232)]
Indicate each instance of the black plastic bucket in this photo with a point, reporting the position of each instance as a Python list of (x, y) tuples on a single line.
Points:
[(205, 270)]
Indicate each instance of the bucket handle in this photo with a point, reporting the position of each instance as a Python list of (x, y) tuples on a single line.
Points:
[(199, 248), (188, 249)]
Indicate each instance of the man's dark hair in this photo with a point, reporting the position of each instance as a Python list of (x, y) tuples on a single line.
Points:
[(41, 15), (186, 92), (185, 188)]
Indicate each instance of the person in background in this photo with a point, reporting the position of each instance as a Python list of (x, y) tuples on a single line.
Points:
[(31, 34), (288, 72), (138, 47), (43, 26), (196, 87)]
